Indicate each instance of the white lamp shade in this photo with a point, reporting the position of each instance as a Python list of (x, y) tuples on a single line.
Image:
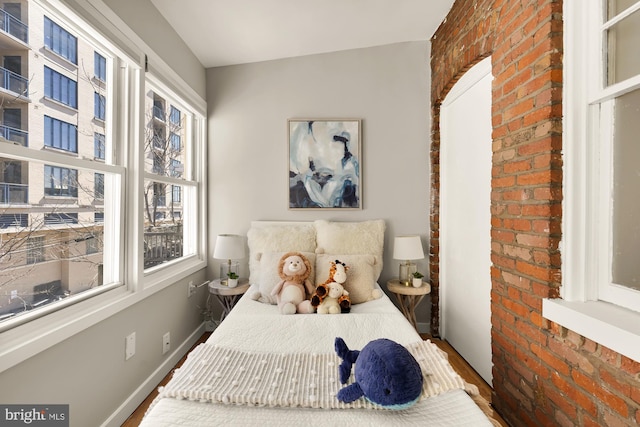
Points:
[(407, 248), (229, 246)]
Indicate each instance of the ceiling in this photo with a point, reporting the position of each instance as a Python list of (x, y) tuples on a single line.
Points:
[(226, 32)]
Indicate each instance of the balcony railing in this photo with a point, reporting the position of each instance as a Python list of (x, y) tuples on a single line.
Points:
[(14, 135), (13, 193), (11, 25), (160, 247), (13, 82)]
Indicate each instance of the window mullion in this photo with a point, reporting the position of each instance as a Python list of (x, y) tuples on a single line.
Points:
[(53, 158)]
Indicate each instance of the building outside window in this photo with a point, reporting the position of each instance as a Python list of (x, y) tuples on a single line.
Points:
[(98, 185), (100, 67), (99, 147), (51, 197), (60, 41), (99, 106), (35, 250), (61, 211), (60, 88), (61, 135)]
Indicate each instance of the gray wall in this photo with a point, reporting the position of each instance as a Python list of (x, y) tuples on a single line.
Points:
[(88, 370), (387, 87), (149, 24)]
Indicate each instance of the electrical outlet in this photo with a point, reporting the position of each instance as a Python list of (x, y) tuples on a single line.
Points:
[(191, 289), (130, 346), (166, 342)]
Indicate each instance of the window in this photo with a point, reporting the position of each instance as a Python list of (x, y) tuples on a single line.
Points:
[(98, 185), (35, 250), (176, 168), (62, 212), (60, 181), (609, 124), (174, 117), (99, 106), (61, 135), (60, 88), (176, 193), (60, 218), (600, 273), (169, 176), (60, 41), (98, 145), (176, 143), (100, 67)]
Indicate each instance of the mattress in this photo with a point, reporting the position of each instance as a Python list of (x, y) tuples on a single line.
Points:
[(254, 327)]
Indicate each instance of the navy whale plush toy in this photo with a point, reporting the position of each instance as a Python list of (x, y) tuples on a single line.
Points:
[(385, 374)]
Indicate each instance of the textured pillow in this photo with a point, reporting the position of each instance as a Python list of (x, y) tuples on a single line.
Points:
[(361, 275), (269, 274), (277, 238), (352, 238)]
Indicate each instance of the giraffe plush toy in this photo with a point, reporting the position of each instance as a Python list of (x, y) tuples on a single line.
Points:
[(331, 297)]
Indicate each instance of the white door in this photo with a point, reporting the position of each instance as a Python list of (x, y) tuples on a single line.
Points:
[(465, 217)]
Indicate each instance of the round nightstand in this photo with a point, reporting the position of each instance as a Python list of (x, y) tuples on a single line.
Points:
[(228, 297), (408, 297)]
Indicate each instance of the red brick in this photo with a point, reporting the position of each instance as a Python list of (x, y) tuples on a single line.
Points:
[(557, 364), (580, 398), (590, 386)]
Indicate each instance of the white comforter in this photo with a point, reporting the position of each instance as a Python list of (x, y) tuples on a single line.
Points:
[(253, 326)]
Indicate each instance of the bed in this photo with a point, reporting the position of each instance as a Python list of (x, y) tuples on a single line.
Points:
[(260, 367)]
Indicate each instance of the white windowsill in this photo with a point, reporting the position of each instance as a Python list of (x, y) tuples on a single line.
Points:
[(607, 324)]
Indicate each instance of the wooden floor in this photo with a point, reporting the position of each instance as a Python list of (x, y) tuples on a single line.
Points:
[(458, 363)]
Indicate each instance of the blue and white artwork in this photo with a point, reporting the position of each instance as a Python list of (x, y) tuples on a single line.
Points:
[(324, 164)]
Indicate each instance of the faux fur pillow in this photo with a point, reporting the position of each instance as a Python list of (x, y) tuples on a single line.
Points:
[(361, 275), (352, 238), (277, 238), (269, 274)]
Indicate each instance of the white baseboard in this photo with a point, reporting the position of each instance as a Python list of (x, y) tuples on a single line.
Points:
[(137, 397)]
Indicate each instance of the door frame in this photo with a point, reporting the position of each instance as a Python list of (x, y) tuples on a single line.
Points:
[(473, 76)]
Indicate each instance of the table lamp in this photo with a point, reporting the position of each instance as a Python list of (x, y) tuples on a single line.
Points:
[(229, 247), (407, 248)]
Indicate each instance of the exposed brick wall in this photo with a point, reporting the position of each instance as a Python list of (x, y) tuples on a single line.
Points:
[(543, 374)]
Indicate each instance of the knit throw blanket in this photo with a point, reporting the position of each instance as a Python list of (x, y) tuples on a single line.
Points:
[(224, 375)]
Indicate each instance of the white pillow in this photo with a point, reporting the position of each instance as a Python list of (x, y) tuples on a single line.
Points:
[(361, 275), (352, 238), (277, 238), (269, 274)]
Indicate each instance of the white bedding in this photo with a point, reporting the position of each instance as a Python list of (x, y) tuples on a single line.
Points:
[(253, 326)]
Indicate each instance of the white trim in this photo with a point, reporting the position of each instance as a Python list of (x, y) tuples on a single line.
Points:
[(607, 324), (23, 342), (586, 223), (120, 415), (116, 27), (468, 80)]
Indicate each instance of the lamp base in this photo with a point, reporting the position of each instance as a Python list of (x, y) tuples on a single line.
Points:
[(406, 273), (225, 269)]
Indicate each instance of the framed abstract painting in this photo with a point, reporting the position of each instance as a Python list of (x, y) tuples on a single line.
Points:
[(324, 164)]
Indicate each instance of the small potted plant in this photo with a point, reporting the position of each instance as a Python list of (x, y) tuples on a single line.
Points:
[(417, 279), (233, 279)]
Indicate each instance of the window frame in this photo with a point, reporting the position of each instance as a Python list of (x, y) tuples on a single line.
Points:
[(60, 88), (52, 326), (60, 41), (54, 130), (585, 247)]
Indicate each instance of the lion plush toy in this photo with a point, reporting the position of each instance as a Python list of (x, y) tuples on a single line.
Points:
[(292, 291), (331, 297)]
